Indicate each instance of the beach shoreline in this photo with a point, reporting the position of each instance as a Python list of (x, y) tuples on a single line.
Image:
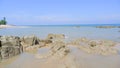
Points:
[(7, 26), (12, 26)]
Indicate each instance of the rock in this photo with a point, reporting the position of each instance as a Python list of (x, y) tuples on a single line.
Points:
[(102, 47), (45, 42), (0, 57), (107, 43), (58, 49), (79, 41), (32, 43), (55, 37), (93, 43), (106, 26), (10, 46), (0, 44), (30, 40), (78, 26)]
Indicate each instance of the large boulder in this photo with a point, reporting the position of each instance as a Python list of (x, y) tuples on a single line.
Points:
[(10, 46)]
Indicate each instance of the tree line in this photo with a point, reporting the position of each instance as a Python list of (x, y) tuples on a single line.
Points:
[(3, 21)]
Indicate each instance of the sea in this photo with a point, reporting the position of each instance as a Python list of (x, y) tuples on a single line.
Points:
[(70, 31)]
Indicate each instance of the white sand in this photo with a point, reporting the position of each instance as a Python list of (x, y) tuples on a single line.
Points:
[(6, 26), (12, 26)]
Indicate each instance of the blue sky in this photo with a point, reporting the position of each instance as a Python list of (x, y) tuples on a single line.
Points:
[(46, 12)]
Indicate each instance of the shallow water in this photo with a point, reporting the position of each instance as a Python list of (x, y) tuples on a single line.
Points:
[(71, 32)]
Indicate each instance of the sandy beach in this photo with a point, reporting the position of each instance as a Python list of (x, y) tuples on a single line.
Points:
[(12, 26), (7, 26)]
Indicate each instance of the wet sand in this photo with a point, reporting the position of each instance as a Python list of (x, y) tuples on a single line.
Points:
[(75, 59)]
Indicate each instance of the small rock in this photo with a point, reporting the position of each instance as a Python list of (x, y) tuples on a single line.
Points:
[(93, 43)]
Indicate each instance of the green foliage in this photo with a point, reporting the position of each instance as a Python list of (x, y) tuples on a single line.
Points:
[(3, 22)]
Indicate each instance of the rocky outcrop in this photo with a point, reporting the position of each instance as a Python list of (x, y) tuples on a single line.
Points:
[(32, 43), (10, 46), (58, 46), (56, 37), (57, 49), (107, 27), (79, 41), (30, 40), (102, 47)]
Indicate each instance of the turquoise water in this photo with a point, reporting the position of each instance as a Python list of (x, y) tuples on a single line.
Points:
[(70, 31)]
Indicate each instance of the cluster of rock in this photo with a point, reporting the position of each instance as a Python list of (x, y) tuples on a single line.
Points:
[(13, 45), (32, 43), (102, 47), (107, 26), (58, 48)]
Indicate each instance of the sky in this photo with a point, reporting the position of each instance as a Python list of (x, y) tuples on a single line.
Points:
[(60, 12)]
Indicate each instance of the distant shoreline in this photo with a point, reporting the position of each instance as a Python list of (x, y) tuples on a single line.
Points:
[(92, 25), (7, 26), (11, 26)]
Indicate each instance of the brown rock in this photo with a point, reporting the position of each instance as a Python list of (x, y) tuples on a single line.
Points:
[(10, 46)]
